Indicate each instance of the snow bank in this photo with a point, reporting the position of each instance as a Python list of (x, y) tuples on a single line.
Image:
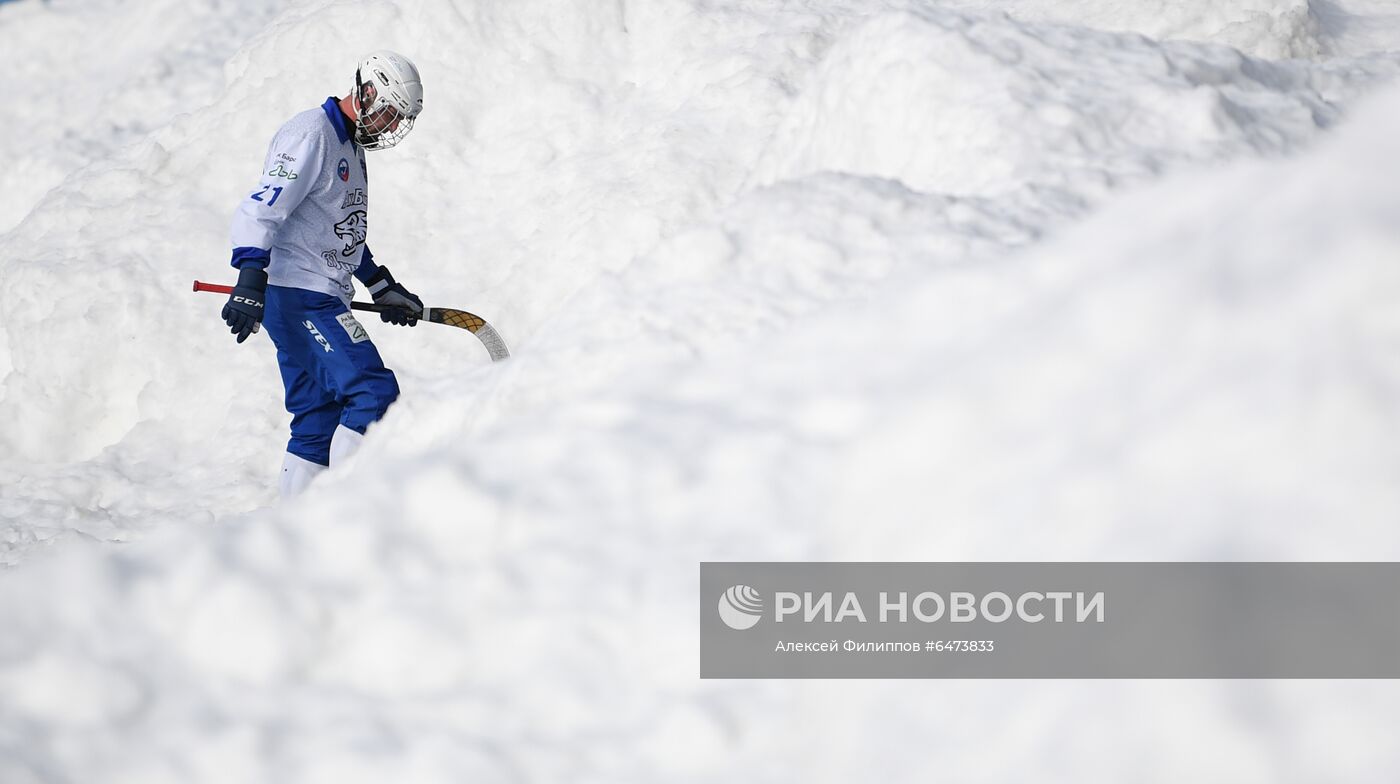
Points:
[(979, 105), (1199, 372), (770, 297), (97, 75), (571, 141), (1260, 28)]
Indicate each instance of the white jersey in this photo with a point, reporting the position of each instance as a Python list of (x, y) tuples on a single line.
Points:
[(307, 220)]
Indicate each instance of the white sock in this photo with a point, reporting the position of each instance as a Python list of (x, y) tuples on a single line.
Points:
[(297, 473), (344, 442)]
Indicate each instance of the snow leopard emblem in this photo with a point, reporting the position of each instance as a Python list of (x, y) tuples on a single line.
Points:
[(352, 230)]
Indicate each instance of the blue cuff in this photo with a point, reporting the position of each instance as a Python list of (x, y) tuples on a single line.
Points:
[(253, 257), (367, 268)]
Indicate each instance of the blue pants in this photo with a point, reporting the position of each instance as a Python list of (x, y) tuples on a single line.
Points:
[(331, 370)]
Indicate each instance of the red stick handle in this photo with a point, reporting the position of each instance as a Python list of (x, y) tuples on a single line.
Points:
[(200, 285)]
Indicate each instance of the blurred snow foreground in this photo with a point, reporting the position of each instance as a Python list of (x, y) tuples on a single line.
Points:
[(811, 280)]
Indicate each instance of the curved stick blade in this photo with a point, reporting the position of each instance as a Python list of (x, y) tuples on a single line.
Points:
[(476, 325)]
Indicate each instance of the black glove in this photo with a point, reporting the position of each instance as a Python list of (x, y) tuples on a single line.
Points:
[(402, 307), (244, 310)]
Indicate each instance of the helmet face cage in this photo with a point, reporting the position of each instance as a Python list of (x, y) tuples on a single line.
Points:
[(370, 101)]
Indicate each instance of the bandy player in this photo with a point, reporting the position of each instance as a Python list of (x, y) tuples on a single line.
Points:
[(297, 240)]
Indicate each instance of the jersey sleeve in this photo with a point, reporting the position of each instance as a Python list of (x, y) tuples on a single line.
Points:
[(367, 267), (290, 169)]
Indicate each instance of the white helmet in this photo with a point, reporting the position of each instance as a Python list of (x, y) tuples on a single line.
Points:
[(386, 80)]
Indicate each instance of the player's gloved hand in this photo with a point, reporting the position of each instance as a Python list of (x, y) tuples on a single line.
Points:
[(403, 307), (244, 310)]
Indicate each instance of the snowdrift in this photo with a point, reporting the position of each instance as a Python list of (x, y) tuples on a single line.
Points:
[(1260, 28), (831, 281)]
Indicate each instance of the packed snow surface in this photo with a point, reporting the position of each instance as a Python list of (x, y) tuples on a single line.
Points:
[(814, 280)]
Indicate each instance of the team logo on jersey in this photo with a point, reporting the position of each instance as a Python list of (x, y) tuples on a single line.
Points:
[(282, 172), (342, 170), (352, 230), (334, 261), (355, 198)]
